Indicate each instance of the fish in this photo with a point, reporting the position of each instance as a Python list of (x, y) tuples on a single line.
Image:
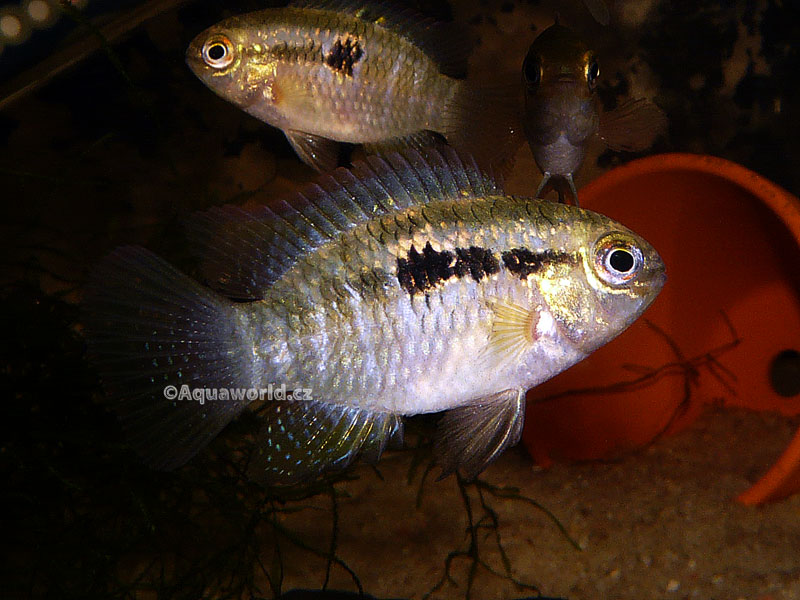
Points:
[(327, 72), (562, 112), (408, 284)]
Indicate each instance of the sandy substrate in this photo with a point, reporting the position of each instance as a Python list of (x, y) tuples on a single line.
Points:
[(661, 523)]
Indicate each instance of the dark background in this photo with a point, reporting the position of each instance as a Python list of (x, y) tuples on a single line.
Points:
[(119, 149)]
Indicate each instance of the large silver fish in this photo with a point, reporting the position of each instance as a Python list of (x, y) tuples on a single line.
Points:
[(329, 71), (408, 285), (562, 112)]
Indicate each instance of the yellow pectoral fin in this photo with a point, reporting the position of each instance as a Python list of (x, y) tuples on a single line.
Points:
[(513, 331), (293, 95)]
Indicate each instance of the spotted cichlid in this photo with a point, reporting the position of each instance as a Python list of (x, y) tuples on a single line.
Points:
[(408, 285), (562, 112), (329, 71)]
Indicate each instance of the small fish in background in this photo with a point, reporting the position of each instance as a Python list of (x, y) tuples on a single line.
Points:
[(331, 71), (562, 112), (406, 285)]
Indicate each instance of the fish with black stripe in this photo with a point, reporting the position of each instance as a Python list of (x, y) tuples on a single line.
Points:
[(409, 284), (355, 71)]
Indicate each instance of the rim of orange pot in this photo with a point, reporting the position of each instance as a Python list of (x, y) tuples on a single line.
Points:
[(782, 479)]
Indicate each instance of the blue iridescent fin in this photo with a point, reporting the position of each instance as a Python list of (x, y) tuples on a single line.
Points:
[(472, 436), (149, 326), (448, 44), (245, 251), (304, 438)]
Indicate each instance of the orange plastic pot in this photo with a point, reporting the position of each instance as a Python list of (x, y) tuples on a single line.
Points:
[(730, 308)]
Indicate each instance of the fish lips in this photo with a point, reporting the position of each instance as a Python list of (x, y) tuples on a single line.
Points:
[(194, 56)]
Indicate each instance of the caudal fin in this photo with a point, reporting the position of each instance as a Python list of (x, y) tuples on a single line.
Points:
[(485, 123), (152, 330)]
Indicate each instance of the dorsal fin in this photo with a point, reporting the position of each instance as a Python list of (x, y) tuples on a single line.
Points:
[(445, 42), (245, 251)]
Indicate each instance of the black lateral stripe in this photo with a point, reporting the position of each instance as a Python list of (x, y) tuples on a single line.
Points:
[(419, 272), (478, 262), (344, 55), (523, 262)]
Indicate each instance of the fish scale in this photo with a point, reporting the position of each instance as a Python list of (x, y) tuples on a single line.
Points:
[(436, 293)]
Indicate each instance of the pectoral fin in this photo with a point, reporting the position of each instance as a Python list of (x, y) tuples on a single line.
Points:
[(633, 126), (513, 332), (471, 437), (303, 438), (317, 152)]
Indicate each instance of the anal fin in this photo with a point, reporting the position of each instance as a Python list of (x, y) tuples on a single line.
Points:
[(471, 437), (316, 151), (302, 439)]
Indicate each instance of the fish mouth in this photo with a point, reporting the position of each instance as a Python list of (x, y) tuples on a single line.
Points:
[(192, 57), (661, 280), (654, 288)]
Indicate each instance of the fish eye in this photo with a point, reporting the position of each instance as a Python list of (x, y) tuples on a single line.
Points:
[(532, 70), (620, 261), (592, 72), (617, 260), (218, 52)]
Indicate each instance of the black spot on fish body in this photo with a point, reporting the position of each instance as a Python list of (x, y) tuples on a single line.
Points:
[(344, 55), (412, 277), (437, 264), (478, 262), (523, 262), (404, 276), (419, 272)]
